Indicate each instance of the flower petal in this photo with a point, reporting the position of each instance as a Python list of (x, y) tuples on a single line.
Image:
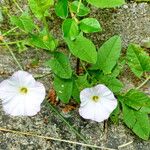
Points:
[(87, 111), (100, 113), (97, 110), (102, 90), (23, 78), (85, 96), (21, 104), (108, 104), (94, 111), (7, 90)]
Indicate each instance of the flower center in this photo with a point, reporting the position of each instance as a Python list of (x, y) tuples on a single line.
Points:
[(95, 98), (23, 90)]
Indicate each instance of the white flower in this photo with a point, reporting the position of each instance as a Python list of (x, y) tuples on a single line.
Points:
[(21, 95), (97, 103)]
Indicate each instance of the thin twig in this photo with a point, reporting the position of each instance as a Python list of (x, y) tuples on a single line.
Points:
[(124, 145), (42, 75), (52, 138), (143, 83), (65, 121), (11, 43), (18, 5), (9, 31), (13, 55)]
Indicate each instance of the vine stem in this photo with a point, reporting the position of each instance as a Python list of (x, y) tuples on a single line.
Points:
[(46, 26), (78, 9), (13, 55), (42, 76), (84, 68), (143, 83), (52, 138), (18, 5), (6, 33), (77, 66), (65, 121), (11, 43)]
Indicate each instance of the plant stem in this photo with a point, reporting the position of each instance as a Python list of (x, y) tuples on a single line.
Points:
[(65, 121), (46, 26), (143, 83), (78, 9), (11, 43), (18, 5), (13, 55), (42, 76), (84, 68), (6, 33), (78, 66), (54, 139)]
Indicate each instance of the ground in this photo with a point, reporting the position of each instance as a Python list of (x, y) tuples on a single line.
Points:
[(132, 22)]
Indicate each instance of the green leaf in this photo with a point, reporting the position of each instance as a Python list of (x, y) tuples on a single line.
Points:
[(70, 29), (118, 68), (43, 41), (39, 7), (61, 9), (83, 10), (138, 60), (137, 100), (60, 65), (108, 54), (89, 25), (83, 48), (106, 3), (24, 22), (63, 89), (78, 85), (137, 121), (112, 83), (115, 115)]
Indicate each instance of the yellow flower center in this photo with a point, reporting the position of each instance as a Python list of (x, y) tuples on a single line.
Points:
[(95, 98), (23, 90)]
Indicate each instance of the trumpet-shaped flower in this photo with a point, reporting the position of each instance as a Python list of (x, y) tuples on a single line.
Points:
[(21, 95), (97, 103)]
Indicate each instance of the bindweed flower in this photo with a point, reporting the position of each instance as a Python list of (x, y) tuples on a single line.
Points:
[(21, 95), (97, 103)]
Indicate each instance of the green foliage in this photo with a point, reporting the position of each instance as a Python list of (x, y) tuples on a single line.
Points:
[(138, 60), (118, 68), (24, 22), (108, 54), (113, 83), (115, 115), (83, 10), (63, 89), (106, 3), (61, 8), (60, 65), (137, 100), (70, 29), (78, 85), (42, 40), (102, 67), (137, 121), (39, 7), (83, 48), (89, 25)]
